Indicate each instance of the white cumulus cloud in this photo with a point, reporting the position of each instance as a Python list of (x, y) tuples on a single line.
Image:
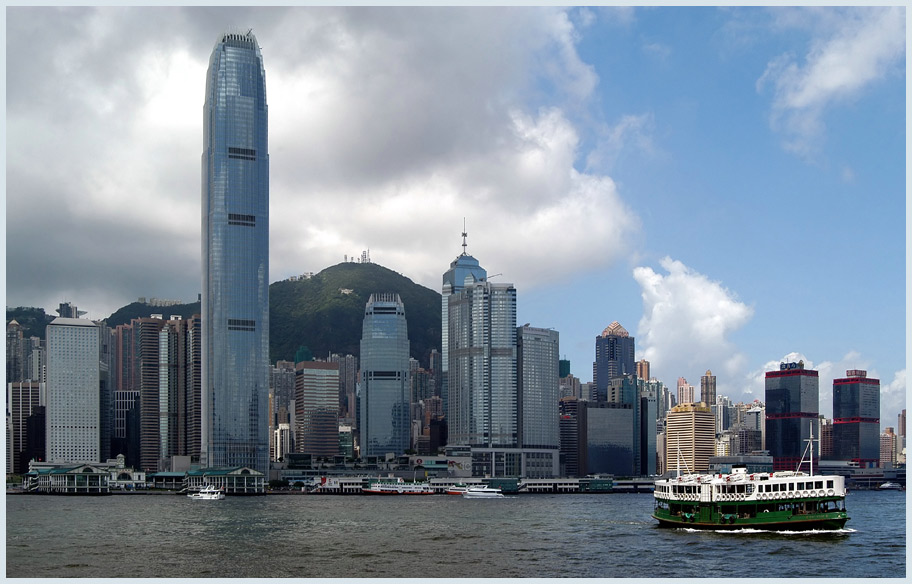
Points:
[(687, 323), (387, 127), (851, 49)]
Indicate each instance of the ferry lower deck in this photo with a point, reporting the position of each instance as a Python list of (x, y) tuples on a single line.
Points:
[(796, 514)]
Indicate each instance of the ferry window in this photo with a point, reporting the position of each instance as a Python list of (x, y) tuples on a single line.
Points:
[(829, 484), (791, 486), (818, 485), (800, 486)]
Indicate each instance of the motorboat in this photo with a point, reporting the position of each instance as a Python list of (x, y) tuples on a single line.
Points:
[(482, 492), (208, 492)]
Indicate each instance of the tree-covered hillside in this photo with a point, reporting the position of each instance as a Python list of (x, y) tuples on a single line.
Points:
[(323, 313), (34, 321)]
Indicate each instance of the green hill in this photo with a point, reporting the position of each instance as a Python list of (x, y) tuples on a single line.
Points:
[(323, 313), (141, 310), (34, 321)]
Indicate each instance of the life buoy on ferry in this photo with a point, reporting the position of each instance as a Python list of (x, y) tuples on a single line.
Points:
[(804, 493), (830, 492), (821, 493)]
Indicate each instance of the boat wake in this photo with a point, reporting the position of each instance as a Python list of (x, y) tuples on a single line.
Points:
[(748, 530)]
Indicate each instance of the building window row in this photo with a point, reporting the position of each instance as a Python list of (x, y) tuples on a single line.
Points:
[(242, 153), (237, 324), (244, 220)]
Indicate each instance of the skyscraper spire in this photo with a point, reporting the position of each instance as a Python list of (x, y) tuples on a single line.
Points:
[(464, 235)]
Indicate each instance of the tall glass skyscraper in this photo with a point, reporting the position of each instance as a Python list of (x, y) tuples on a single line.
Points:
[(614, 351), (385, 425), (538, 359), (856, 418), (792, 406), (482, 366), (235, 246), (454, 280)]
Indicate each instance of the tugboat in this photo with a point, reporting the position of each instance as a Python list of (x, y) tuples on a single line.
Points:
[(784, 501)]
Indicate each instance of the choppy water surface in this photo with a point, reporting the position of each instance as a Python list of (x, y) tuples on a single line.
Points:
[(603, 536)]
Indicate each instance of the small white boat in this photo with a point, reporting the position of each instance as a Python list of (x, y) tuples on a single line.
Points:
[(456, 490), (209, 492), (891, 487), (483, 492)]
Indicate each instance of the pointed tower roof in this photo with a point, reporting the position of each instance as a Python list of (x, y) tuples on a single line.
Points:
[(615, 330)]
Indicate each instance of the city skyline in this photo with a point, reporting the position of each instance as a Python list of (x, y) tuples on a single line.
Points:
[(724, 238)]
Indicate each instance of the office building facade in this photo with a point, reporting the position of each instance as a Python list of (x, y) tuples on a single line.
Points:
[(482, 365), (690, 434), (235, 241), (856, 418), (454, 280), (26, 400), (73, 414), (708, 389), (573, 441), (792, 407), (385, 414), (685, 392), (614, 352), (317, 408), (539, 387), (609, 444)]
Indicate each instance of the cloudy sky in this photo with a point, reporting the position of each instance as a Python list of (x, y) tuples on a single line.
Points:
[(728, 184)]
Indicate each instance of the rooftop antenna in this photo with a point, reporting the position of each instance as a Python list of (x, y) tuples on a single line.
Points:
[(464, 235)]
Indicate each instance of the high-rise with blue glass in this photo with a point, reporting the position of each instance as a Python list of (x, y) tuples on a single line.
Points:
[(454, 280), (235, 254), (385, 422)]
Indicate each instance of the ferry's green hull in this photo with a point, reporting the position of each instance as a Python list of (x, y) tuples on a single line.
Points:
[(750, 515)]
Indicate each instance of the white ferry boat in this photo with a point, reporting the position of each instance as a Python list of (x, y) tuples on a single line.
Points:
[(784, 500), (397, 487)]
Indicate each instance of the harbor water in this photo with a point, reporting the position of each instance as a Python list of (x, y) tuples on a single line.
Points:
[(306, 536)]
